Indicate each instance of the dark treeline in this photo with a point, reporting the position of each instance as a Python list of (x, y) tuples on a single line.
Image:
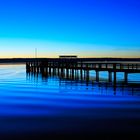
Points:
[(23, 60)]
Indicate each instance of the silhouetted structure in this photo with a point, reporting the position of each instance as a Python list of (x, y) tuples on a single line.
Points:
[(68, 56), (83, 67)]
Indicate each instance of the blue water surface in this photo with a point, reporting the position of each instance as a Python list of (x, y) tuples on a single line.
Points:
[(31, 104)]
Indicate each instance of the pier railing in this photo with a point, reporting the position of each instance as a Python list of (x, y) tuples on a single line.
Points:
[(88, 66)]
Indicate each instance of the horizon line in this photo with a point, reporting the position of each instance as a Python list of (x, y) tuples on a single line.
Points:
[(76, 57)]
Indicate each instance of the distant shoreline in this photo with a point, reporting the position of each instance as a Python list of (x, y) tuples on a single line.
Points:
[(24, 60)]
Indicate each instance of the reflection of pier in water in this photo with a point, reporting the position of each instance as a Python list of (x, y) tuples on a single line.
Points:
[(76, 80), (79, 69)]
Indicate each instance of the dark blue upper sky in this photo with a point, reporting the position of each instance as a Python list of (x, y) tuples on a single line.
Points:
[(99, 28)]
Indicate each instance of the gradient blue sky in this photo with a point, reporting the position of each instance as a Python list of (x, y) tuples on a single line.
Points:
[(88, 28)]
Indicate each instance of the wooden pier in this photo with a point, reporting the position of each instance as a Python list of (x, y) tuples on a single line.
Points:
[(82, 66)]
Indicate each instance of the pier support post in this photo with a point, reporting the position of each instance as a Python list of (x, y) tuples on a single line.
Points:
[(54, 71), (114, 85), (110, 76), (114, 77), (81, 74), (87, 75), (97, 76), (67, 72), (126, 77), (72, 73), (62, 72), (27, 67)]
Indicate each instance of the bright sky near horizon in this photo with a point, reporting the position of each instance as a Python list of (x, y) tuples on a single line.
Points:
[(87, 28)]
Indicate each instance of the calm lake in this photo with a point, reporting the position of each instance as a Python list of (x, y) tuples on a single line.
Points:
[(35, 104)]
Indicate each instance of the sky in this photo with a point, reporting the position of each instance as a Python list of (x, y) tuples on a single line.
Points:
[(87, 28)]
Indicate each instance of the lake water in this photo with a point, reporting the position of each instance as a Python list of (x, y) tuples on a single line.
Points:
[(38, 105)]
